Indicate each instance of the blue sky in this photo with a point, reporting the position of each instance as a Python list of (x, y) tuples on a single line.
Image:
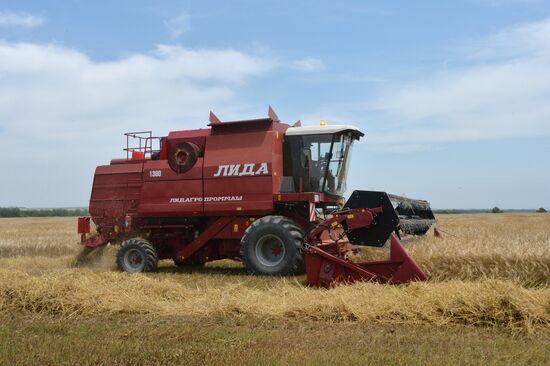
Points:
[(454, 97)]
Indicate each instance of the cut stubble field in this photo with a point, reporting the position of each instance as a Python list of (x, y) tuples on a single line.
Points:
[(487, 301)]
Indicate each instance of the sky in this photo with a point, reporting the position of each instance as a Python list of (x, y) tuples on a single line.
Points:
[(453, 96)]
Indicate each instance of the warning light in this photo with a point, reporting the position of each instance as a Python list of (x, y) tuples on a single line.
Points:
[(323, 122)]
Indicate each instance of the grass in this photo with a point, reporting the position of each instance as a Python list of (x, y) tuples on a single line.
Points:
[(487, 301), (145, 340)]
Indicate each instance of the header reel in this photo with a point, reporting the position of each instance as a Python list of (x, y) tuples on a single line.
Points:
[(401, 215)]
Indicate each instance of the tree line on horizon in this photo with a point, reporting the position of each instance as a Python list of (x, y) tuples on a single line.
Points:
[(67, 212), (495, 209), (52, 212)]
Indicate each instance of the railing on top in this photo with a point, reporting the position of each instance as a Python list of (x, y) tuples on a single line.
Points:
[(144, 145)]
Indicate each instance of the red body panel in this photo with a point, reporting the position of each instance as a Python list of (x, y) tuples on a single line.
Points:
[(162, 188), (238, 173), (83, 225), (116, 192), (201, 210)]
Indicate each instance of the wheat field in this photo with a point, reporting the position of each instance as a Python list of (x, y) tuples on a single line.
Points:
[(490, 270)]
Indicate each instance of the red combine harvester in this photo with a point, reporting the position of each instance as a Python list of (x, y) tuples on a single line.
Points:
[(260, 191)]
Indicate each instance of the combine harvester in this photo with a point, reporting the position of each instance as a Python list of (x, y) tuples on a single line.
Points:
[(260, 191)]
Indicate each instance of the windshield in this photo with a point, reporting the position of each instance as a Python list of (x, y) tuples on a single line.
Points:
[(319, 163)]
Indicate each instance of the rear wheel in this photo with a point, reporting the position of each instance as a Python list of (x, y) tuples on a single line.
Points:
[(272, 245), (137, 255)]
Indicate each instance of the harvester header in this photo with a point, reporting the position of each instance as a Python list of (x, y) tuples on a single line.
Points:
[(252, 190)]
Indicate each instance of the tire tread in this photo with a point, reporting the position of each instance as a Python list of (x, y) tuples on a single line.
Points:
[(151, 255), (297, 265)]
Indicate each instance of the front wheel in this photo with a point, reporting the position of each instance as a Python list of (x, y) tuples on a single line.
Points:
[(137, 255), (272, 245)]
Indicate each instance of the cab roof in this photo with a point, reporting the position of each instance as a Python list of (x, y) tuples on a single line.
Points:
[(323, 130)]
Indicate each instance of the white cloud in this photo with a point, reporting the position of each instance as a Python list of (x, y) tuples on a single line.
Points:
[(18, 19), (504, 92), (62, 113), (309, 64), (178, 25), (61, 84), (521, 41)]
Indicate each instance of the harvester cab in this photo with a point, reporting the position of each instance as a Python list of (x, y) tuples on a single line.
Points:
[(260, 191), (316, 158)]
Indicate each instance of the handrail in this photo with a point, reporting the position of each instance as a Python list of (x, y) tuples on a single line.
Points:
[(144, 141)]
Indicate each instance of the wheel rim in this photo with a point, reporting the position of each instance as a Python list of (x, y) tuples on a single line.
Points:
[(134, 261), (270, 250)]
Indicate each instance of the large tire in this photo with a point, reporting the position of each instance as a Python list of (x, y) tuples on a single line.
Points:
[(137, 255), (272, 246)]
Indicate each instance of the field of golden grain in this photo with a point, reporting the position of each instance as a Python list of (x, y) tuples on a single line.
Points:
[(487, 301), (490, 270)]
